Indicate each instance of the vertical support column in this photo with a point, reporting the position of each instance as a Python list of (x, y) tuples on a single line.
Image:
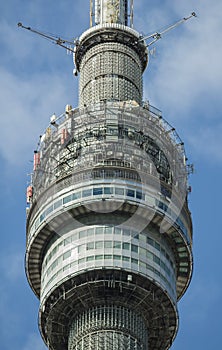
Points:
[(91, 13), (131, 13)]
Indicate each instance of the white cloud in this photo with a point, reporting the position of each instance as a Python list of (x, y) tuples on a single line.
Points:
[(188, 66), (26, 106), (34, 84)]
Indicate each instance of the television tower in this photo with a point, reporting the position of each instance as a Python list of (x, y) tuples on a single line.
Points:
[(109, 232)]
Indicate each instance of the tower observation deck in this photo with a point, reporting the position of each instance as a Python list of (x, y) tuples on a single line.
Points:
[(109, 232)]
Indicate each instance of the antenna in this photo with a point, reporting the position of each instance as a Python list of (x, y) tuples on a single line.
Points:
[(66, 44), (158, 35)]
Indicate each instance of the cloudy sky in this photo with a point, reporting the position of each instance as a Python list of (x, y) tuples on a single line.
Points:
[(184, 80)]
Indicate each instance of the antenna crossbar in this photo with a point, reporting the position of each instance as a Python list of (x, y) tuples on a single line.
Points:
[(56, 40), (158, 35)]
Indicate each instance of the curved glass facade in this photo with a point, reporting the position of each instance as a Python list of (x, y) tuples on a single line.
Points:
[(106, 190), (110, 247)]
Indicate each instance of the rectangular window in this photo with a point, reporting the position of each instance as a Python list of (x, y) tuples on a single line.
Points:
[(49, 210), (66, 267), (157, 246), (118, 231), (54, 251), (162, 265), (108, 244), (97, 191), (156, 272), (143, 252), (125, 258), (108, 190), (90, 245), (149, 255), (182, 255), (117, 257), (142, 264), (150, 241), (162, 206), (42, 217), (87, 193), (149, 267), (134, 248), (126, 246), (76, 195), (90, 232), (58, 204), (182, 269), (108, 257), (99, 244), (142, 237), (126, 232), (134, 261), (59, 259), (67, 199), (82, 234), (139, 194), (90, 258), (130, 193), (119, 191), (54, 264), (156, 259), (99, 230), (67, 241), (181, 249), (81, 261), (108, 230), (66, 255), (99, 257), (117, 244), (75, 236)]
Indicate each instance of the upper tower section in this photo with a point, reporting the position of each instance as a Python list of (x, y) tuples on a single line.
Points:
[(111, 11), (110, 56)]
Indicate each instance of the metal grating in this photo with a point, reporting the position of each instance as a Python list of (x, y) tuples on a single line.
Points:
[(108, 328)]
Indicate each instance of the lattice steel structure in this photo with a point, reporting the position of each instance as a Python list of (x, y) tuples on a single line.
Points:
[(109, 232)]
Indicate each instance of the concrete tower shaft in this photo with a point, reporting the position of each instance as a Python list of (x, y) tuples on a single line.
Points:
[(109, 232), (110, 57)]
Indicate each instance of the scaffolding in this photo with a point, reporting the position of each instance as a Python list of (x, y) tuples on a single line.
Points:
[(107, 136)]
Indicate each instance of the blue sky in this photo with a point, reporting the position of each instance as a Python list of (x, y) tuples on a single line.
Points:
[(184, 80)]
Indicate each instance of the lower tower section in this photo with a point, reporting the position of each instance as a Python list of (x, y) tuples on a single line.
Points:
[(108, 327)]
